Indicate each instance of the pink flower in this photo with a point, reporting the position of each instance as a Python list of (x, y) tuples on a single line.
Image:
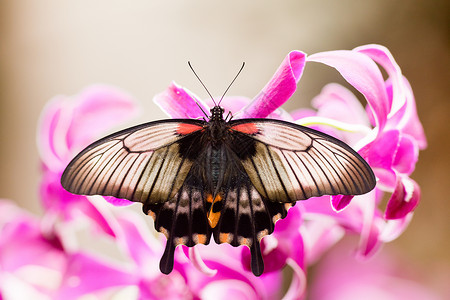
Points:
[(34, 260), (386, 276), (30, 262), (139, 277), (391, 147), (387, 133), (67, 125)]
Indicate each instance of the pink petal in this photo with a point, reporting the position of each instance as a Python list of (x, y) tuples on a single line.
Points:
[(406, 118), (319, 207), (228, 289), (369, 242), (386, 178), (339, 276), (383, 149), (141, 244), (394, 228), (198, 263), (320, 235), (279, 89), (178, 102), (67, 125), (52, 129), (226, 260), (338, 103), (231, 104), (303, 113), (407, 155), (22, 243), (56, 200), (382, 56), (363, 74), (86, 274), (297, 287), (340, 202), (117, 201), (98, 109), (404, 199)]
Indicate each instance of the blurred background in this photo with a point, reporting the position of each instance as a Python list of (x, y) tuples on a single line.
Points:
[(52, 47)]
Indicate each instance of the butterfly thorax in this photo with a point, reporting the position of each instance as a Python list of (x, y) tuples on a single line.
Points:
[(217, 126)]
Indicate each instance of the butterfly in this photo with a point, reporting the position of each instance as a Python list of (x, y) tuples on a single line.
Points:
[(227, 179)]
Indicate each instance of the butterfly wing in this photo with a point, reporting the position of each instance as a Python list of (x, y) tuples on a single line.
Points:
[(270, 164), (152, 163), (141, 164), (292, 162), (182, 218)]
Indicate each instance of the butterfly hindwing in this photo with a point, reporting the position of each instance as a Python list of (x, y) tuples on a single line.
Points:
[(245, 215), (182, 219)]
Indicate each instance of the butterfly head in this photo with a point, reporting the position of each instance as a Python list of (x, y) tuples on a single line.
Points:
[(216, 113)]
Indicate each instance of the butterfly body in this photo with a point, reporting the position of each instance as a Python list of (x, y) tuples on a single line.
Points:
[(232, 180)]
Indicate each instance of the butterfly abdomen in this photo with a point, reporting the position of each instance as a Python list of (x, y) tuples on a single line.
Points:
[(216, 164)]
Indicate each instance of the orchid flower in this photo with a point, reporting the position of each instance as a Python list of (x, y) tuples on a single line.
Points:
[(386, 132), (386, 276), (390, 119), (67, 125)]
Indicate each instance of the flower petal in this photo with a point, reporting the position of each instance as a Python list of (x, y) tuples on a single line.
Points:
[(338, 103), (52, 130), (97, 109), (339, 202), (404, 199), (197, 261), (228, 289), (178, 102), (142, 246), (67, 125), (87, 274), (383, 56), (279, 89), (407, 155), (382, 150), (297, 287), (363, 74), (406, 118)]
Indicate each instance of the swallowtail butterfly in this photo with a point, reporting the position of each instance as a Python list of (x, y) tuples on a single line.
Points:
[(228, 179)]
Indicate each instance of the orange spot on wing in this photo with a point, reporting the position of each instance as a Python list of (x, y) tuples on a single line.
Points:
[(209, 198), (200, 239), (213, 217), (187, 128), (248, 128), (225, 237)]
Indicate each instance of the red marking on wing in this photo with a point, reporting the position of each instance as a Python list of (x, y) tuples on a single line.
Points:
[(184, 128), (248, 128)]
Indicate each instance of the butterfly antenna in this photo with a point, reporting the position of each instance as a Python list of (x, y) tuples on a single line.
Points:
[(190, 66), (243, 64)]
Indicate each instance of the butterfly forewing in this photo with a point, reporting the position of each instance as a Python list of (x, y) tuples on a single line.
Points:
[(142, 163), (293, 162)]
